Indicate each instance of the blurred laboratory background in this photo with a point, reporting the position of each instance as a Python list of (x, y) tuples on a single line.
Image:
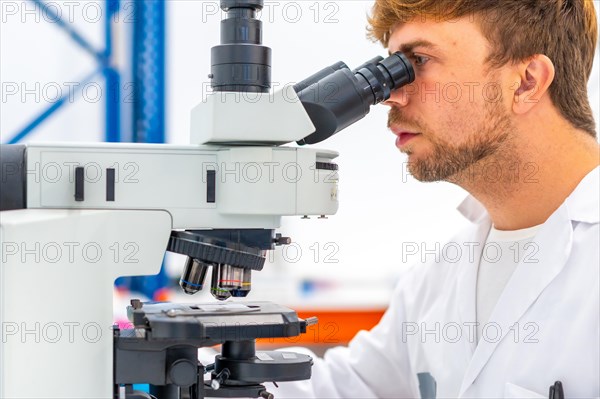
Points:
[(131, 71)]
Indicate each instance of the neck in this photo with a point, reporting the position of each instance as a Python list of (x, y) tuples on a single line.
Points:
[(531, 176)]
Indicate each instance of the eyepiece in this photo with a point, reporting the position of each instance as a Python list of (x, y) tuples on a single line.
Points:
[(384, 75), (336, 97), (399, 68)]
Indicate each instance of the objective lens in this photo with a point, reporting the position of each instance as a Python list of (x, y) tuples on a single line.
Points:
[(246, 285), (217, 289), (230, 277), (194, 274)]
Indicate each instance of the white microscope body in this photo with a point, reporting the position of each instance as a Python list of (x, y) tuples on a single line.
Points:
[(101, 211)]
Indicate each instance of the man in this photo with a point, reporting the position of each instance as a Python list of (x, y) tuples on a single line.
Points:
[(499, 107)]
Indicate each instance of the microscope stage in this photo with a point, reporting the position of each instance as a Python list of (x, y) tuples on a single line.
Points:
[(217, 322)]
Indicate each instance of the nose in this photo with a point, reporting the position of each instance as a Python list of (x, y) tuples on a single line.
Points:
[(399, 97)]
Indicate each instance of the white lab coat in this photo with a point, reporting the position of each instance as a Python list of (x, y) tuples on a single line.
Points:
[(552, 306)]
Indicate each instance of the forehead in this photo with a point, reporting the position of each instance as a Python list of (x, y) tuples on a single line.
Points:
[(453, 38)]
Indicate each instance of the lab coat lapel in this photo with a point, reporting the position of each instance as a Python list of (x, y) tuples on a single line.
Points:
[(467, 280), (530, 278)]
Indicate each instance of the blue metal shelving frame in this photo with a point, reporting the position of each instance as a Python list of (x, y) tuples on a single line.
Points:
[(149, 71), (104, 67)]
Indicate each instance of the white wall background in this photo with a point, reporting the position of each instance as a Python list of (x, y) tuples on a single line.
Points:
[(351, 258)]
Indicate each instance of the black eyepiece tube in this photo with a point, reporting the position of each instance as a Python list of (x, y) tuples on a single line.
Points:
[(241, 63), (298, 87), (336, 97)]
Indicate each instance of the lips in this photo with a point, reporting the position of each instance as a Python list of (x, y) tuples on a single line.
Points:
[(403, 136)]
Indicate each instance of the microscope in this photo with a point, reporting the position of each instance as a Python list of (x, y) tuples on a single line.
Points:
[(77, 216)]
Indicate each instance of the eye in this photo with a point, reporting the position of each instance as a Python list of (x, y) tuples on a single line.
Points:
[(419, 60)]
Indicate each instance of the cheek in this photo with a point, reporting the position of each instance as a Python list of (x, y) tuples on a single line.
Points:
[(453, 93), (458, 121), (453, 108)]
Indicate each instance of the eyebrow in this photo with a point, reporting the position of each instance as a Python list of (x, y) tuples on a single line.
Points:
[(410, 46)]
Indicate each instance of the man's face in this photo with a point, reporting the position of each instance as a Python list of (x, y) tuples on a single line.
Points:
[(456, 113)]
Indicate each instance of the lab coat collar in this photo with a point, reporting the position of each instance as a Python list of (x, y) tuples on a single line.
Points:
[(583, 202), (472, 210)]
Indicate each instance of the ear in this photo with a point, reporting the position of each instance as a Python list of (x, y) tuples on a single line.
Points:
[(535, 75)]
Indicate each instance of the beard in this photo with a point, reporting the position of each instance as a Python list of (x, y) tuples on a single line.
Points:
[(452, 162)]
